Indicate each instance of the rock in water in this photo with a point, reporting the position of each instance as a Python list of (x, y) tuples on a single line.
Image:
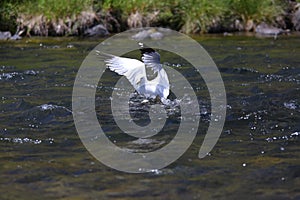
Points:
[(266, 29), (150, 33), (98, 30), (5, 35), (156, 35), (15, 37)]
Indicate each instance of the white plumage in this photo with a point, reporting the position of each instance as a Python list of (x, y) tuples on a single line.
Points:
[(135, 71)]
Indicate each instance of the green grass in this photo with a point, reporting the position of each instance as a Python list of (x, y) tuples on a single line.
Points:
[(188, 16), (55, 9), (25, 13), (8, 14), (199, 15), (264, 10), (194, 16)]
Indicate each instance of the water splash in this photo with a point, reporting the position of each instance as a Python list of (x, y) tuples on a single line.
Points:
[(25, 140)]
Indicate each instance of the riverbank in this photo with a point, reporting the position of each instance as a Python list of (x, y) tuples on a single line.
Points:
[(88, 17)]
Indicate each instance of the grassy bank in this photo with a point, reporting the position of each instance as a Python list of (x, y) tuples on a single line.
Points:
[(72, 17)]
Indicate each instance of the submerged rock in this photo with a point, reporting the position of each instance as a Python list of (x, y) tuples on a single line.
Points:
[(98, 30), (265, 29)]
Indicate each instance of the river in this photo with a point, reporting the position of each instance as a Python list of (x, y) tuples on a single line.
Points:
[(257, 155)]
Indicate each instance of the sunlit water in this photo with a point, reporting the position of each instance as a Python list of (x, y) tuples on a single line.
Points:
[(257, 155)]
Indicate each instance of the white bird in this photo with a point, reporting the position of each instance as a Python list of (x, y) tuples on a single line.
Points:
[(135, 71)]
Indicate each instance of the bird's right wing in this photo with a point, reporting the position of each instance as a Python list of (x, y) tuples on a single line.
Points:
[(150, 57), (132, 69), (152, 60)]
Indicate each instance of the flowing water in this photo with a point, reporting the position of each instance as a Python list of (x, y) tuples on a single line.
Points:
[(257, 155)]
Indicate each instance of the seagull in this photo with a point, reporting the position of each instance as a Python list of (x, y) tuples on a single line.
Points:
[(135, 71)]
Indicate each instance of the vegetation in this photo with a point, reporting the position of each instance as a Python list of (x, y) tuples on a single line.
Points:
[(72, 17), (253, 11), (8, 13), (200, 15)]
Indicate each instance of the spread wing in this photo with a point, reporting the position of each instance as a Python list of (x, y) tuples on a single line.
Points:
[(150, 57), (132, 69)]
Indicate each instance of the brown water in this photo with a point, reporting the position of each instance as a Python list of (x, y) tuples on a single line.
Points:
[(257, 155)]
